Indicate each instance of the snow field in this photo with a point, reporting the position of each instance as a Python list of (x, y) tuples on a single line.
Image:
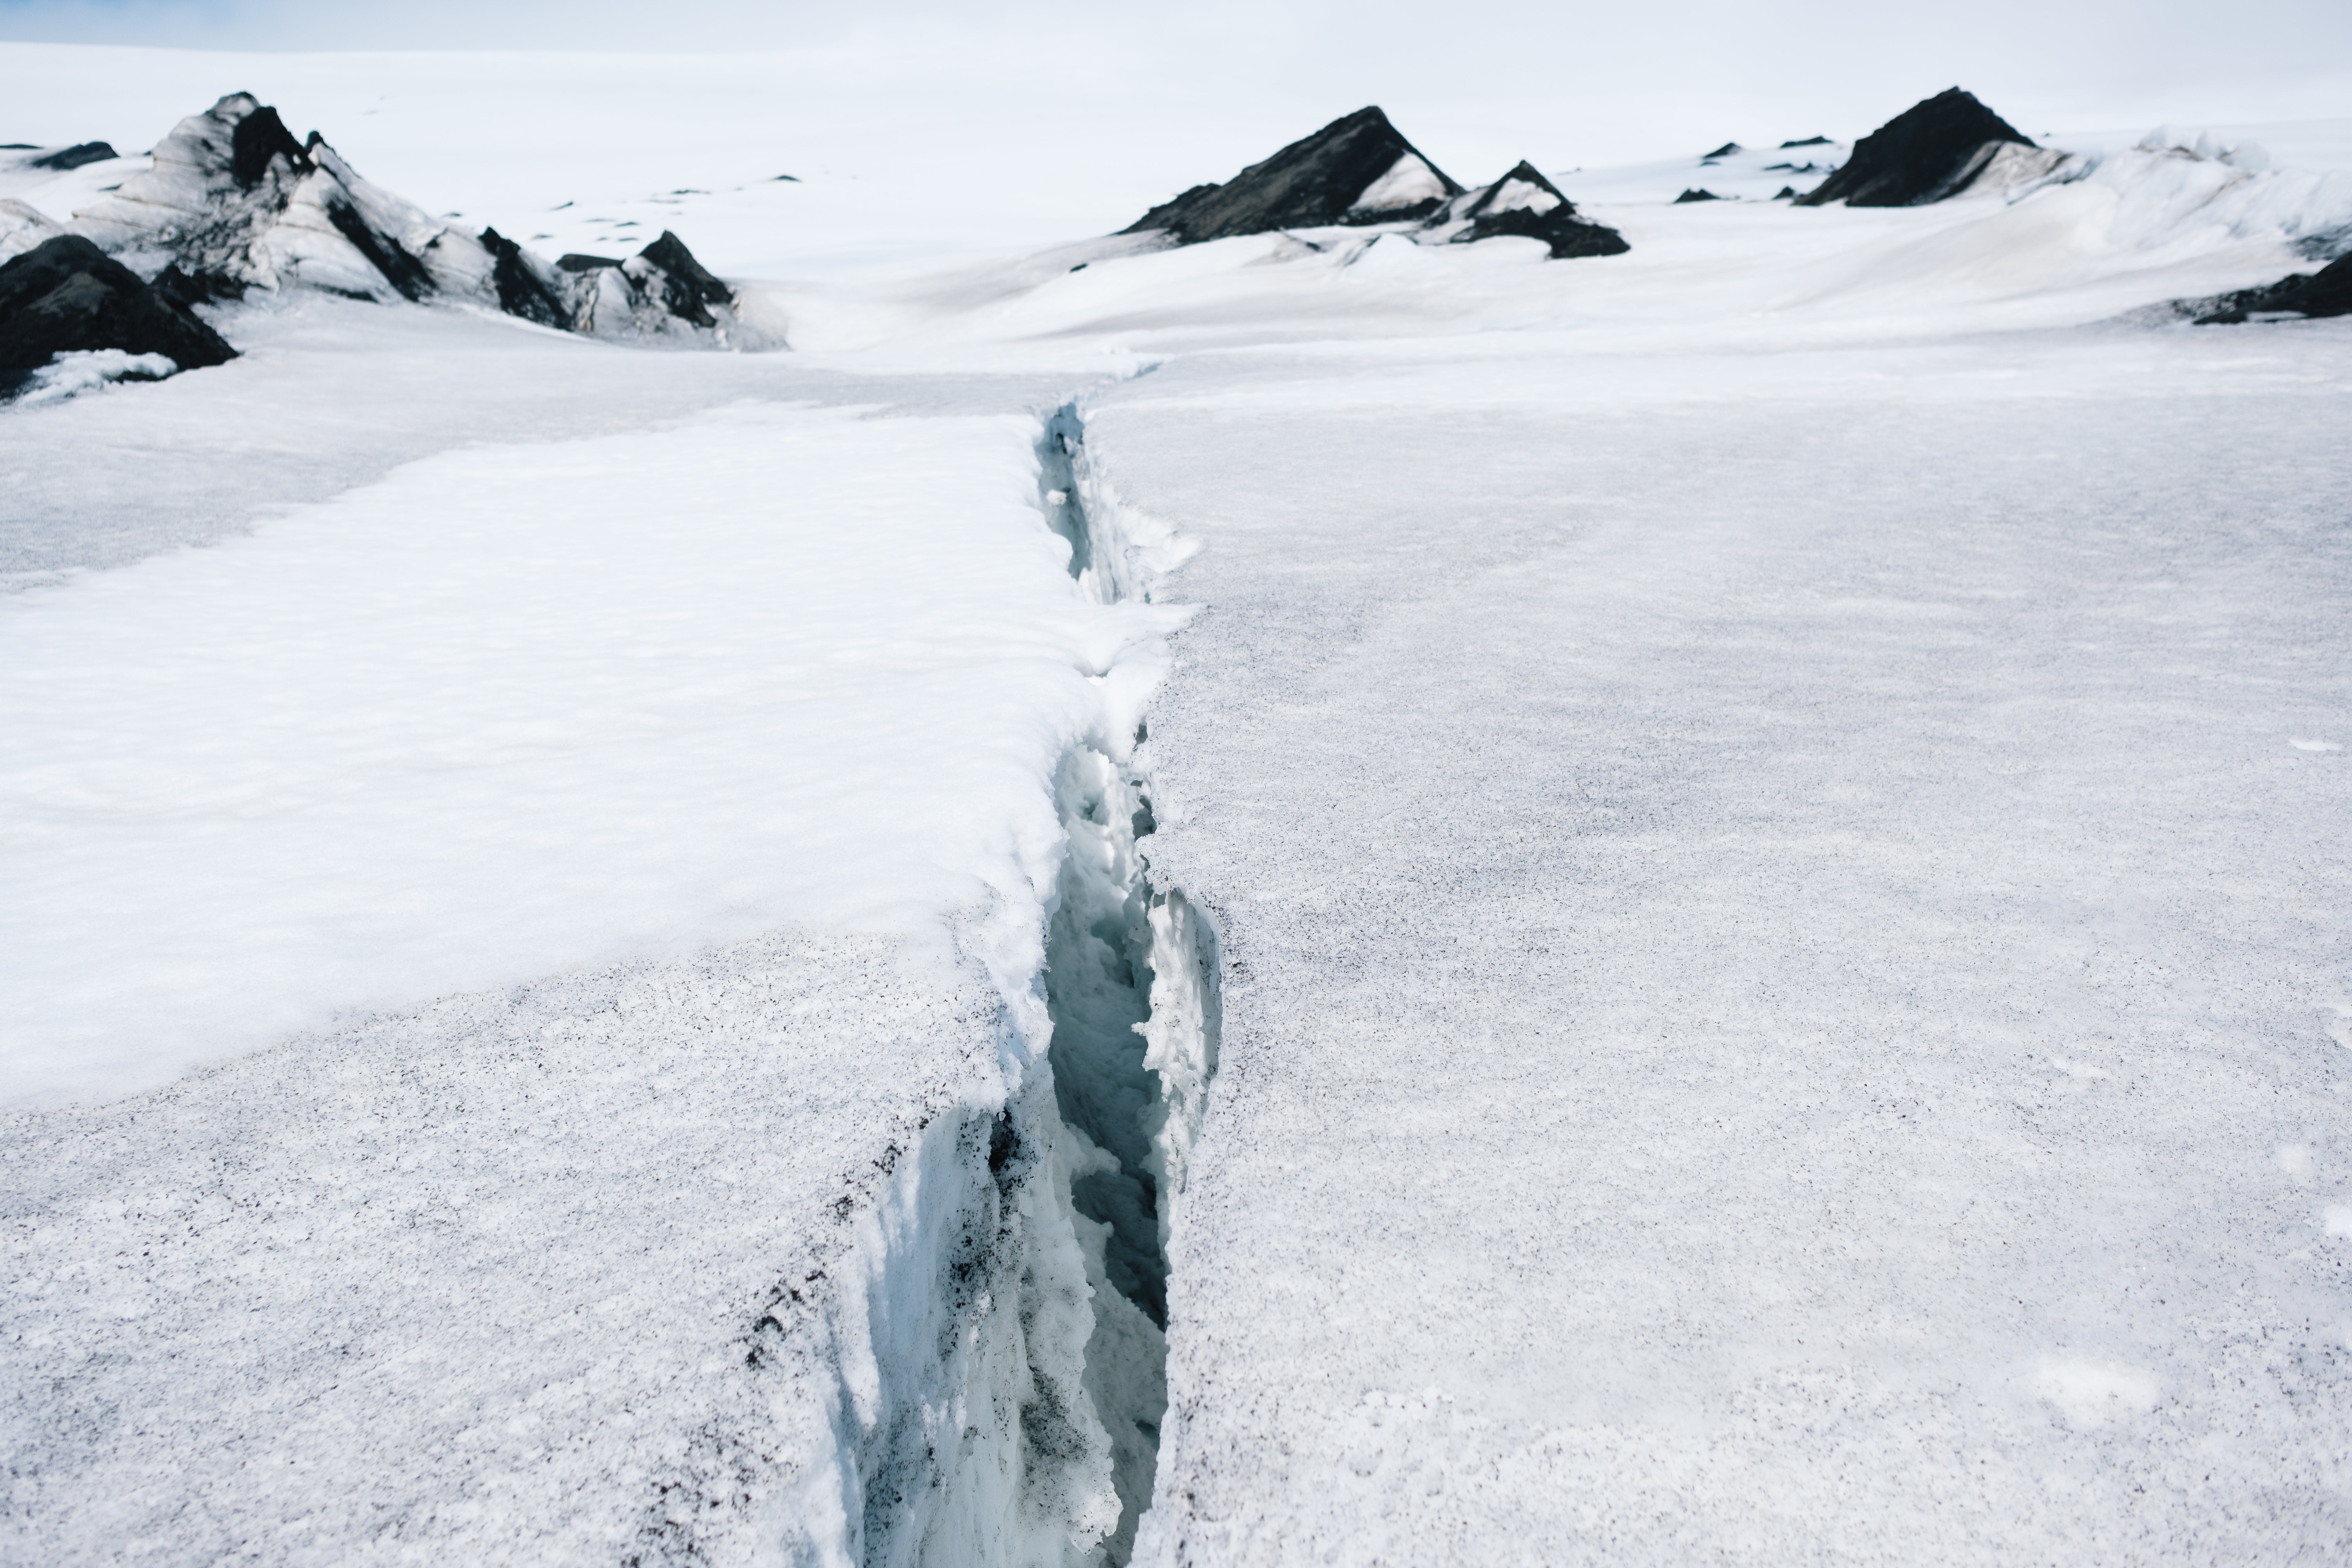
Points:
[(516, 710), (252, 791), (1780, 936)]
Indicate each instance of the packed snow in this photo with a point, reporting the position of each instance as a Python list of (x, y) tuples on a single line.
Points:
[(1318, 895)]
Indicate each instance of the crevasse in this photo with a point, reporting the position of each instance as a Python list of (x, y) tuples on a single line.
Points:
[(996, 1371), (1130, 983)]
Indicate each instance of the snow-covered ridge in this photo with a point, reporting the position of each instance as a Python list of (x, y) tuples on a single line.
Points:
[(232, 204), (2166, 191)]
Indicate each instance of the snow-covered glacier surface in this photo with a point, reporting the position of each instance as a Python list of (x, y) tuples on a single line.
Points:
[(1787, 987), (1309, 897)]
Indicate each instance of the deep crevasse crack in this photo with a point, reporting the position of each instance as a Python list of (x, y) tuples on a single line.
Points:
[(1131, 982)]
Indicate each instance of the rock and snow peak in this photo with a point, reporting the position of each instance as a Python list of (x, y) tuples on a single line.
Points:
[(235, 203), (1932, 150), (1525, 204), (1357, 170), (1360, 170)]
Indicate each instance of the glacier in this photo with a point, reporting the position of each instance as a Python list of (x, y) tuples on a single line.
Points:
[(1322, 894)]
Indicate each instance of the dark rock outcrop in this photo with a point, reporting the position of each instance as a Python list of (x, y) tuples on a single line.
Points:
[(67, 296), (685, 287), (2326, 292), (1357, 170), (1930, 151), (1701, 195), (515, 274), (1526, 205), (73, 157), (1725, 150), (1807, 141)]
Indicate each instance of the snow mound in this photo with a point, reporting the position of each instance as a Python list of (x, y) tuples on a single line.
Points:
[(1930, 151), (1359, 169), (1526, 205), (69, 374), (233, 204)]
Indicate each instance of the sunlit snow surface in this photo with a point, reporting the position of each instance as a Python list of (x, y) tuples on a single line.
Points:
[(1775, 805)]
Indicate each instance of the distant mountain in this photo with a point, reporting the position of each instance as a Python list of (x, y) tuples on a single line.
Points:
[(233, 203), (1524, 203), (1932, 150), (1356, 169), (1361, 170)]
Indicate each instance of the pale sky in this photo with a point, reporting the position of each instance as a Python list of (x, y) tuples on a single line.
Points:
[(2050, 53)]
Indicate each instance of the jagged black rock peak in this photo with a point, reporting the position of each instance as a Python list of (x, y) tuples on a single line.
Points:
[(521, 291), (1524, 203), (1930, 151), (1807, 142), (2328, 292), (260, 137), (1701, 195), (1785, 192), (1725, 150), (73, 157), (691, 291), (1358, 169), (66, 296)]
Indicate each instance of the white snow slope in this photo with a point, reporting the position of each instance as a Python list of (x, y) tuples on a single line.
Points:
[(1723, 938)]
